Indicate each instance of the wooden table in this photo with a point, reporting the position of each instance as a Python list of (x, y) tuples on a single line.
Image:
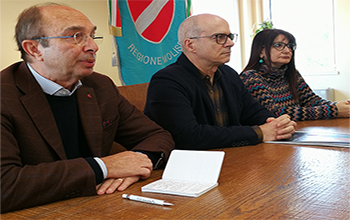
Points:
[(266, 181)]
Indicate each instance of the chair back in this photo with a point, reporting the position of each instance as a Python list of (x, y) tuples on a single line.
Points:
[(135, 94)]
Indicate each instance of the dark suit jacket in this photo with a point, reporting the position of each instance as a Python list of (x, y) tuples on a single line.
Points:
[(34, 167), (178, 100)]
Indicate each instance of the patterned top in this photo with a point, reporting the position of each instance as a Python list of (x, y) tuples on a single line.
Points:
[(271, 89)]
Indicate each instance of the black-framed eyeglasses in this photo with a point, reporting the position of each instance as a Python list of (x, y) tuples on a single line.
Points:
[(280, 46), (221, 38), (80, 38)]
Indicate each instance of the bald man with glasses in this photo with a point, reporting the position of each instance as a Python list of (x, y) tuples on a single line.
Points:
[(201, 101)]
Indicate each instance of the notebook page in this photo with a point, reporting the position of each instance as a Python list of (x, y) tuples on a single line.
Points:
[(194, 166)]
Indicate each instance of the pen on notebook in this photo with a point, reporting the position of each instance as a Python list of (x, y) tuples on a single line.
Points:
[(145, 199)]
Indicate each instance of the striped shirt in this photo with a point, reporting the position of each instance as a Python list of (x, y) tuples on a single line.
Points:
[(271, 89)]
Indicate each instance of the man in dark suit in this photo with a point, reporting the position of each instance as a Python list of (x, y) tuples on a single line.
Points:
[(59, 119), (201, 101)]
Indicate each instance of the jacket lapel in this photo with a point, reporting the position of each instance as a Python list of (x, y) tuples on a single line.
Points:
[(38, 108), (198, 82)]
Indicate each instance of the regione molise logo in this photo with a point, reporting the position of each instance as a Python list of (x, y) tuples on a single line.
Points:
[(152, 18)]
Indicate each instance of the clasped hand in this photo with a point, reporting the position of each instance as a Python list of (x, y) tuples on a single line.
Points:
[(278, 128), (343, 108)]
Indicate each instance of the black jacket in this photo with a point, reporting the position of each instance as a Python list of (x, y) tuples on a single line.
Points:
[(178, 100)]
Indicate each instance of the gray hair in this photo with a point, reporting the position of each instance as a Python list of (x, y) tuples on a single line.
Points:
[(30, 25), (189, 28)]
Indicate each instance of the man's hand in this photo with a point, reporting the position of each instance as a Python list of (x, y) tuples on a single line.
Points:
[(124, 169), (278, 128), (128, 164), (109, 186)]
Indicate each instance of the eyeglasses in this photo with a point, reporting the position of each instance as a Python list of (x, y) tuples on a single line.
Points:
[(80, 38), (221, 38), (280, 46)]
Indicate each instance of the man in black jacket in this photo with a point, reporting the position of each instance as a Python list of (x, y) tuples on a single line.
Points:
[(201, 101)]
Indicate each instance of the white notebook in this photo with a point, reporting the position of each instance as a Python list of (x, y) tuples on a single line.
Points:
[(189, 173)]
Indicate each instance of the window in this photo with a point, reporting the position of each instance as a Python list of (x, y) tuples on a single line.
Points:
[(228, 10), (312, 24)]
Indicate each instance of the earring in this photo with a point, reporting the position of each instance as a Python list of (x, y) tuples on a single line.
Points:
[(261, 60)]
